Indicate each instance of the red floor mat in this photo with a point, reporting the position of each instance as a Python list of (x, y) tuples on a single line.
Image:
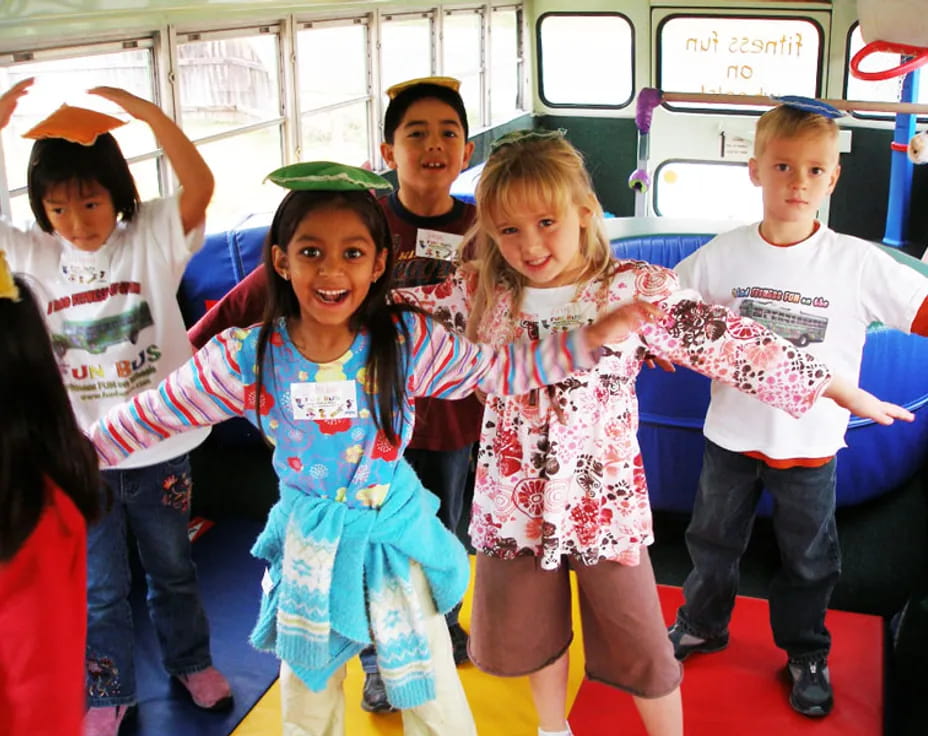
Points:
[(742, 690)]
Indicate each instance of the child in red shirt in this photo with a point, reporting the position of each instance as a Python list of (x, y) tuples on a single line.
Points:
[(48, 492)]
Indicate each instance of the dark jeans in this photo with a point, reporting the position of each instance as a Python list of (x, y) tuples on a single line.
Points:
[(445, 474), (804, 524), (154, 502)]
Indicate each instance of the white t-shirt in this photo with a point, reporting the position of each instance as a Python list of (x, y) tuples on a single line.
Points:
[(554, 310), (821, 294), (112, 314)]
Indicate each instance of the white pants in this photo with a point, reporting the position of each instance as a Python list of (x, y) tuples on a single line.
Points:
[(308, 713)]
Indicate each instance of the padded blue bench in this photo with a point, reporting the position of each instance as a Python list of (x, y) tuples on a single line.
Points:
[(672, 406), (225, 259)]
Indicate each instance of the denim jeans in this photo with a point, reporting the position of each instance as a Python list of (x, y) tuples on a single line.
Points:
[(804, 524), (445, 474), (154, 502)]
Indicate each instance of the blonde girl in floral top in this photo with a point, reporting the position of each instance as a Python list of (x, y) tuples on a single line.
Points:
[(560, 483)]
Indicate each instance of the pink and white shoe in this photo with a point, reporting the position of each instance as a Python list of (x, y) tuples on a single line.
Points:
[(104, 721), (209, 689)]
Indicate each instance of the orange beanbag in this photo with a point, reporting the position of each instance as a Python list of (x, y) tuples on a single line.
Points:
[(75, 124)]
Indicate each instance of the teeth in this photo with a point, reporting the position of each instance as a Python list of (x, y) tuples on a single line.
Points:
[(434, 166), (331, 295)]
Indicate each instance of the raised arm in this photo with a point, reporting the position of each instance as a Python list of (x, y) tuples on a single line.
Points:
[(191, 170), (10, 99), (205, 390)]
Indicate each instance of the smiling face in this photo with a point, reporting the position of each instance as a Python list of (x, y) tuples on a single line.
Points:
[(80, 212), (541, 242), (796, 174), (429, 147), (331, 262)]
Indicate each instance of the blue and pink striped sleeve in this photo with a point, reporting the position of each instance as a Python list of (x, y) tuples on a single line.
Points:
[(205, 390), (448, 366)]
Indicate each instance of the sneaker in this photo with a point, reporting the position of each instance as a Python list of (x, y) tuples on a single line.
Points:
[(685, 644), (104, 721), (209, 689), (811, 693), (374, 697), (459, 639)]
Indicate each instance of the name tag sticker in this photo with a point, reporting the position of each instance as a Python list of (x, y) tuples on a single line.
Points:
[(436, 244), (324, 400)]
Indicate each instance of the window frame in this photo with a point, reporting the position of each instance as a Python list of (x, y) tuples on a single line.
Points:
[(539, 55), (787, 14)]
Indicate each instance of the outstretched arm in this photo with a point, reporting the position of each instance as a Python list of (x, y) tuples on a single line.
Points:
[(449, 366), (10, 99), (192, 172), (863, 403), (205, 390)]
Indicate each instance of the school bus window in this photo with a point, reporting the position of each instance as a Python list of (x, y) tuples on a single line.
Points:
[(706, 189), (335, 99), (90, 67), (738, 55), (506, 66), (405, 47), (230, 107), (462, 57), (585, 59), (887, 90)]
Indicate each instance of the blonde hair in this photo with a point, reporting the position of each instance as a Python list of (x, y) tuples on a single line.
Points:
[(789, 122), (535, 167)]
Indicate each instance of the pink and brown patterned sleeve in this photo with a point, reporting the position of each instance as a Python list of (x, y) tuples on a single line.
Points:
[(448, 301), (737, 351)]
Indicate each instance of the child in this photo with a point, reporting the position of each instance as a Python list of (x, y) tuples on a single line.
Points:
[(559, 479), (844, 283), (353, 547), (49, 487), (109, 267), (425, 134)]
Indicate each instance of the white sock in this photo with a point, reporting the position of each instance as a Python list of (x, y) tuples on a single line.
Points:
[(568, 732)]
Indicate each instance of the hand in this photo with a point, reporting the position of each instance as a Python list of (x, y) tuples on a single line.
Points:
[(616, 325), (481, 396), (655, 361), (864, 404), (135, 106), (10, 99)]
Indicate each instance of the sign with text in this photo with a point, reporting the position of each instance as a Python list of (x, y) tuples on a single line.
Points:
[(741, 56)]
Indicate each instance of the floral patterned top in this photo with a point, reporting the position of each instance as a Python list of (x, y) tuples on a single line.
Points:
[(559, 470)]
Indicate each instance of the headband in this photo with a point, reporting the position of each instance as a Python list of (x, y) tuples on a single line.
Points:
[(450, 82), (74, 124), (522, 136), (8, 288), (327, 176)]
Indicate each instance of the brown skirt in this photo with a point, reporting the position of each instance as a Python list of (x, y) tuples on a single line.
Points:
[(521, 622)]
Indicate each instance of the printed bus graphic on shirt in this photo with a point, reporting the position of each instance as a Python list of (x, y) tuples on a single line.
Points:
[(799, 328), (95, 336)]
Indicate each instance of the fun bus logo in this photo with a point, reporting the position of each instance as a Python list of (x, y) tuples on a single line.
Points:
[(800, 328), (95, 336)]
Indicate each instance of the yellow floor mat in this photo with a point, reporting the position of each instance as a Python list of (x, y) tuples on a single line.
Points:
[(501, 706)]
